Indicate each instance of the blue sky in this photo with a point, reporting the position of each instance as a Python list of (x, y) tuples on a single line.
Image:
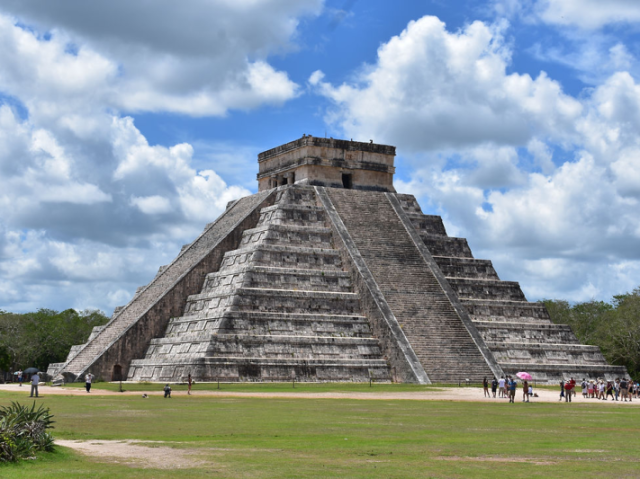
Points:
[(126, 128)]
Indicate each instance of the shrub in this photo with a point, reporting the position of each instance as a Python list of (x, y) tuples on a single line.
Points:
[(23, 431)]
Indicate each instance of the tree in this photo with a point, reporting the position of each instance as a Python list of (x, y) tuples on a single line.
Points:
[(614, 327), (44, 337)]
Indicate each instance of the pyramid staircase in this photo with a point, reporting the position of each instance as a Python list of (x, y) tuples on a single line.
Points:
[(280, 307), (519, 333)]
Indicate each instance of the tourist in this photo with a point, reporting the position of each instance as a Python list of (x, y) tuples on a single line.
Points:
[(501, 386), (494, 386), (609, 391), (167, 391), (573, 386), (513, 384), (616, 388), (590, 389), (485, 385), (601, 388), (624, 389), (35, 380), (630, 393), (568, 387), (87, 382), (530, 392), (525, 391), (189, 388), (561, 389), (20, 377), (506, 387)]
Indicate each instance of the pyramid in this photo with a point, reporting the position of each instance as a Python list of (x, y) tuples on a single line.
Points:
[(328, 274)]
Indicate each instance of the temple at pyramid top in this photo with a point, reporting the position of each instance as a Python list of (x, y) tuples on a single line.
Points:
[(327, 162)]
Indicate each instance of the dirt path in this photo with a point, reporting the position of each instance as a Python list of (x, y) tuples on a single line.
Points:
[(470, 394), (147, 454)]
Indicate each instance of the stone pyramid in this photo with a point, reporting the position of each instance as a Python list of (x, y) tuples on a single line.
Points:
[(327, 274)]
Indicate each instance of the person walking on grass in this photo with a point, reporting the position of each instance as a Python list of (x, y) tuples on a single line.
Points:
[(494, 386), (87, 382), (35, 380), (485, 386)]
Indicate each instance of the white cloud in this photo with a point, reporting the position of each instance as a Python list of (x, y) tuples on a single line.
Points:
[(201, 60), (588, 14), (152, 205), (432, 89)]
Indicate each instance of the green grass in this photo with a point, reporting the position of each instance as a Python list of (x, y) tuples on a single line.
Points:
[(282, 438), (263, 387)]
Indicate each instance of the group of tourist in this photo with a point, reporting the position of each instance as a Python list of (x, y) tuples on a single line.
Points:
[(506, 387), (620, 390)]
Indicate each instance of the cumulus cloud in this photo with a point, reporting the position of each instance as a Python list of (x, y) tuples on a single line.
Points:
[(543, 183), (432, 89), (201, 60)]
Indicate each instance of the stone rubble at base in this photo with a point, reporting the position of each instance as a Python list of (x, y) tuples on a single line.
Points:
[(333, 277)]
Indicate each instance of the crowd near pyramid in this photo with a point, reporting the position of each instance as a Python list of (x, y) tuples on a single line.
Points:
[(328, 274)]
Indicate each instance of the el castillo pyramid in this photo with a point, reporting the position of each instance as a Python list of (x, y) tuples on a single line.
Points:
[(328, 274)]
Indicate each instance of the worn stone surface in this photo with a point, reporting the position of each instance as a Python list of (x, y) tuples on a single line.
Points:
[(328, 162), (328, 275)]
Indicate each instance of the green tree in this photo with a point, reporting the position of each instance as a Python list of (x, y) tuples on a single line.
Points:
[(45, 336)]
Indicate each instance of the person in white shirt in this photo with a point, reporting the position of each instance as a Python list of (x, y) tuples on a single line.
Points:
[(87, 381), (35, 380), (501, 386)]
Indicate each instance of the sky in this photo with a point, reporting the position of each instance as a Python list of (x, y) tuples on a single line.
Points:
[(125, 127)]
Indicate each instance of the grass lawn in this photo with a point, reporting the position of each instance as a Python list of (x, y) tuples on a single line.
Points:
[(281, 438)]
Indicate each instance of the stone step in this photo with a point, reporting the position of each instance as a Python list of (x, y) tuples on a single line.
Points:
[(296, 195), (409, 203), (308, 236), (280, 278), (546, 353), (429, 224), (283, 257), (300, 215), (467, 288), (440, 245), (510, 311), (267, 346), (274, 323), (453, 267), (501, 331), (287, 301), (261, 369), (555, 372), (214, 304)]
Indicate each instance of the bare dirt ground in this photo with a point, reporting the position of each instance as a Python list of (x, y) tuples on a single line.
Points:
[(470, 394), (138, 454)]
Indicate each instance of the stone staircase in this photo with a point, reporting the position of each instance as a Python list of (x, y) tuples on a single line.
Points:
[(519, 333), (432, 326), (279, 308)]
